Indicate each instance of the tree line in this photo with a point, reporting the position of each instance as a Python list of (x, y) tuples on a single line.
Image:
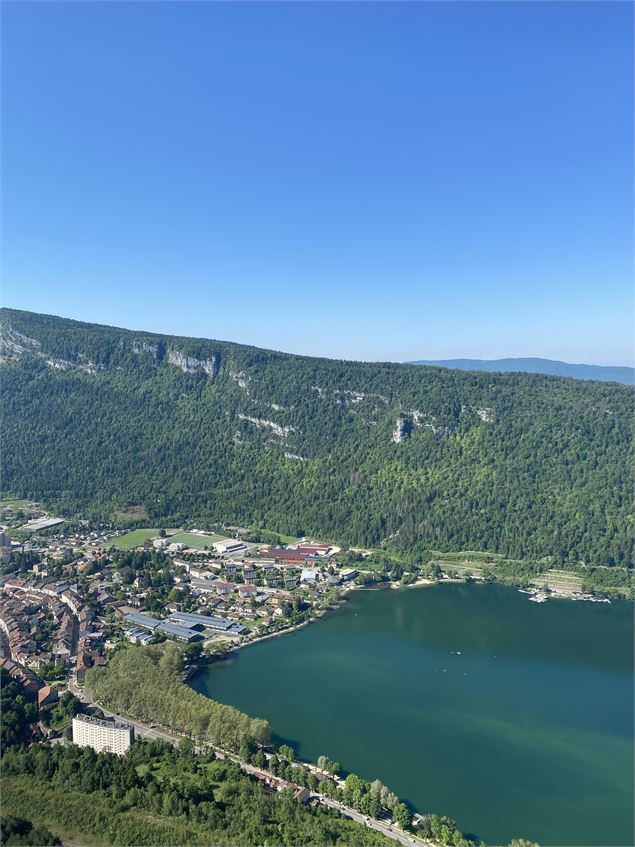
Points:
[(145, 683)]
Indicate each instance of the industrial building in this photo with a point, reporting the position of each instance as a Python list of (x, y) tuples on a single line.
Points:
[(183, 626), (181, 633), (138, 636), (200, 622), (225, 547), (142, 620)]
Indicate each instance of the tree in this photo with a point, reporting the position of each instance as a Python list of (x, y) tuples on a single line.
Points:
[(402, 816), (287, 752), (186, 745), (193, 651), (171, 661), (18, 831), (69, 704)]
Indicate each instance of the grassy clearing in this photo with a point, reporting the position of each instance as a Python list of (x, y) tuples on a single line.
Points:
[(130, 515), (202, 777), (193, 540), (468, 557), (288, 539), (269, 535), (464, 569), (13, 503)]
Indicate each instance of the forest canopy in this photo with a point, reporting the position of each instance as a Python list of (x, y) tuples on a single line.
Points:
[(97, 419)]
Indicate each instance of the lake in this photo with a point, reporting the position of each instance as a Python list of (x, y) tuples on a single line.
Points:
[(527, 733)]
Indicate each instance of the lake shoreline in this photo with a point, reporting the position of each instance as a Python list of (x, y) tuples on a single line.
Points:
[(422, 582)]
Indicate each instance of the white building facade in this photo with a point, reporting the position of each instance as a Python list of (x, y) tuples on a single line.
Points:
[(102, 736)]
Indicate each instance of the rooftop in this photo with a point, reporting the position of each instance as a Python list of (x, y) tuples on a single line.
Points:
[(190, 619), (110, 723), (142, 620)]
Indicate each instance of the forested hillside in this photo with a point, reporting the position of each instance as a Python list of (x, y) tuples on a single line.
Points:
[(98, 418)]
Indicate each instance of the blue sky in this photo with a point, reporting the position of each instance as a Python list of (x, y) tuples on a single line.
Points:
[(371, 181)]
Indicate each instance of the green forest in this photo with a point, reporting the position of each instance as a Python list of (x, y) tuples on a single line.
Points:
[(99, 419), (157, 795)]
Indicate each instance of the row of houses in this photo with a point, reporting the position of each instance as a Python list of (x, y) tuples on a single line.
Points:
[(30, 681), (78, 637)]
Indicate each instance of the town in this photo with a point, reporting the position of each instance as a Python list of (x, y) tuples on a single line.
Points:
[(72, 595)]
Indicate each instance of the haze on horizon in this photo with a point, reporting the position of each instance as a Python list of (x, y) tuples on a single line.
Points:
[(359, 181)]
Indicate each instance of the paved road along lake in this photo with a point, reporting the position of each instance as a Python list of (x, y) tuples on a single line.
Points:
[(515, 718)]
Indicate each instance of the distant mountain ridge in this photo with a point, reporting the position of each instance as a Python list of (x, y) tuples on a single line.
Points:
[(549, 367)]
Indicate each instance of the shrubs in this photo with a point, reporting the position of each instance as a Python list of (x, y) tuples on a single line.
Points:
[(18, 831)]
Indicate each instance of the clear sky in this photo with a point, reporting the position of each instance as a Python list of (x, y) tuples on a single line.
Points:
[(357, 180)]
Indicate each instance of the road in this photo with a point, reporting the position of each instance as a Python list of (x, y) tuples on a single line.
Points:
[(372, 823), (146, 731)]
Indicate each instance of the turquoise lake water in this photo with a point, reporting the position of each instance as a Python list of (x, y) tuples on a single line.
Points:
[(528, 732)]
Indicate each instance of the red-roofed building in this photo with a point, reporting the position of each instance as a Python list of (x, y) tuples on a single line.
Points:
[(279, 553), (46, 696)]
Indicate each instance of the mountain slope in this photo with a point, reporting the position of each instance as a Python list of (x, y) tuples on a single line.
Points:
[(97, 418), (550, 367)]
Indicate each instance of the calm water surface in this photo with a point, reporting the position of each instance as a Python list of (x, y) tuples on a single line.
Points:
[(529, 732)]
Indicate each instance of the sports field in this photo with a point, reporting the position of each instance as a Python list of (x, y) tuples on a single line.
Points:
[(135, 538), (193, 540)]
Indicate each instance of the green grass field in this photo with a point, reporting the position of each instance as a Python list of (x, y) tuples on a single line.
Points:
[(135, 538), (140, 536), (192, 540)]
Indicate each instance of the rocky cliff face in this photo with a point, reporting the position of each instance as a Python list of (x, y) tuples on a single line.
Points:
[(403, 428), (191, 365), (14, 345), (280, 430)]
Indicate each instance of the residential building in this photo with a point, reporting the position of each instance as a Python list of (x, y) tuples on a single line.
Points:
[(108, 736), (46, 696)]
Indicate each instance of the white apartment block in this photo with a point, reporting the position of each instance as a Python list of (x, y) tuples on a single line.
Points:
[(102, 736)]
